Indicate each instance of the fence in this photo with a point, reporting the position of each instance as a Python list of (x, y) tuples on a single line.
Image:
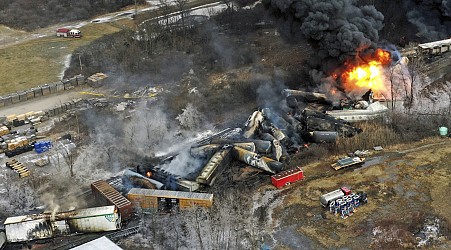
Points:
[(42, 90)]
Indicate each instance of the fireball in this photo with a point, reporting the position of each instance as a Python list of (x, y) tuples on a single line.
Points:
[(368, 75)]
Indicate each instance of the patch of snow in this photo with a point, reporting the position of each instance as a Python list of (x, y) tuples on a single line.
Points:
[(430, 230), (67, 59)]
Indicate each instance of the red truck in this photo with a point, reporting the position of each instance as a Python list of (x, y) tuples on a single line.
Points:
[(287, 177), (64, 32)]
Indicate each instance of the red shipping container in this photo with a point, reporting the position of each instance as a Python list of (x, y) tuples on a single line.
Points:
[(287, 177)]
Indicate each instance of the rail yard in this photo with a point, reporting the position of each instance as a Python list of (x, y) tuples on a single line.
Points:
[(186, 130), (150, 186)]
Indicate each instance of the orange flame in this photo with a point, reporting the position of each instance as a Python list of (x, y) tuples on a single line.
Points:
[(149, 174), (368, 75)]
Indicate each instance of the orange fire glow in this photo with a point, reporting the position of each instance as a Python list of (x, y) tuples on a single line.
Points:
[(149, 174), (368, 75)]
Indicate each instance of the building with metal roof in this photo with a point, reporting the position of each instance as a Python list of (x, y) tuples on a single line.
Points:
[(98, 244)]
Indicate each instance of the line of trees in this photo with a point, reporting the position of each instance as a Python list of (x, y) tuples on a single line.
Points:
[(31, 14)]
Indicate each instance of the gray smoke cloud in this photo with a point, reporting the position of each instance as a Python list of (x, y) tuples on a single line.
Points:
[(431, 17), (341, 29), (446, 8)]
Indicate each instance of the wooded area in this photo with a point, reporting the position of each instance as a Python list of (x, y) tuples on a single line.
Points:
[(30, 14)]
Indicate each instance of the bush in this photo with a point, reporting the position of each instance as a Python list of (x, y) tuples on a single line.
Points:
[(374, 134)]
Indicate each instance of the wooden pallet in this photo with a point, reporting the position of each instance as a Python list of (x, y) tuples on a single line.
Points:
[(18, 167)]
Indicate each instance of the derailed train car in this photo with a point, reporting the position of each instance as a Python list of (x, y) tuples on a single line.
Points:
[(48, 225), (170, 181), (215, 166), (105, 194), (167, 200)]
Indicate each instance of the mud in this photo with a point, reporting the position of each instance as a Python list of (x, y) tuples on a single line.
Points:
[(409, 207)]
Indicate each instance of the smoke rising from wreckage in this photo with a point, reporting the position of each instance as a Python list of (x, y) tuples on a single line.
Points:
[(349, 64)]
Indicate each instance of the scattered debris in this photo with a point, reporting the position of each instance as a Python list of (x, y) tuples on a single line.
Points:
[(347, 162), (97, 79), (40, 162), (359, 153), (42, 146), (429, 233)]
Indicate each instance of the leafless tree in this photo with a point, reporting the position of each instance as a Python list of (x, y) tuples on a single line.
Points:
[(181, 7), (165, 7), (415, 67), (190, 118), (229, 4), (392, 86)]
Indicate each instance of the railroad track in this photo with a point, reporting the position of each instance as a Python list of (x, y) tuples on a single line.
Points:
[(89, 237), (123, 233)]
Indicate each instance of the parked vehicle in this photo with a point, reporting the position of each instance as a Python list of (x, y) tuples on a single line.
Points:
[(287, 177), (343, 202), (64, 32), (326, 199), (105, 194)]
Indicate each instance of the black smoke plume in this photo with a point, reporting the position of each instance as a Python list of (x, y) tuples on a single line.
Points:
[(339, 29), (431, 17)]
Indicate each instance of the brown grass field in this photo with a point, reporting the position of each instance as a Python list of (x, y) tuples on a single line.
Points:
[(39, 61)]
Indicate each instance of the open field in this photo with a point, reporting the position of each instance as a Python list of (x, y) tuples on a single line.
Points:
[(29, 59), (42, 60), (407, 189)]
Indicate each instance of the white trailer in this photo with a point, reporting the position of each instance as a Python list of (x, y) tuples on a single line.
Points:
[(326, 199), (46, 225)]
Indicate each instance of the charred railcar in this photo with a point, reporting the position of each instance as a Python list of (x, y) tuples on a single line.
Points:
[(170, 181), (105, 194), (48, 225)]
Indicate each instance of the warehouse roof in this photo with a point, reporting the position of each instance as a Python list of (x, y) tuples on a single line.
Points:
[(98, 244)]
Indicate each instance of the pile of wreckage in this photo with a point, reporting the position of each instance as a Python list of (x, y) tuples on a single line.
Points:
[(269, 136)]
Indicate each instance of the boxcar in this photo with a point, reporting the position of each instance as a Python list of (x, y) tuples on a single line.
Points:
[(166, 200), (287, 177), (107, 195)]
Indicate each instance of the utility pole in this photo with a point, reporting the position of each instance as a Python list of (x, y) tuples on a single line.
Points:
[(136, 9)]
